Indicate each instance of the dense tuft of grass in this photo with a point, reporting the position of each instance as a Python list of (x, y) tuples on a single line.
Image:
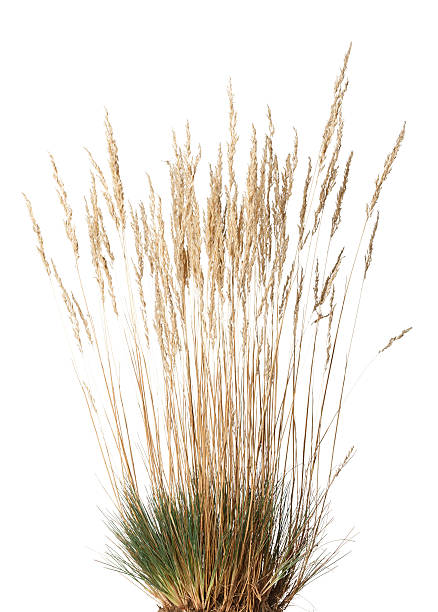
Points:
[(218, 335), (234, 549)]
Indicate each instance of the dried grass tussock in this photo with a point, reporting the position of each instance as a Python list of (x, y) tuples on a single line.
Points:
[(220, 455)]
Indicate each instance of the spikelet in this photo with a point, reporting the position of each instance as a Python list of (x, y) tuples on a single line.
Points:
[(83, 318), (298, 300), (70, 308), (191, 213), (139, 264), (36, 229), (68, 221), (329, 329), (394, 339), (341, 466), (339, 89), (113, 159), (336, 218), (106, 192), (369, 253), (232, 216), (389, 161), (330, 176), (316, 285), (301, 226), (286, 292), (279, 210), (214, 227), (329, 281), (109, 279), (95, 237)]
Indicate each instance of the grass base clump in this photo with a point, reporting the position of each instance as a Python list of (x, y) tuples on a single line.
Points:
[(218, 549)]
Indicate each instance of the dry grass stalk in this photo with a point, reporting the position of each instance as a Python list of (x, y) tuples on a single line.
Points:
[(239, 433)]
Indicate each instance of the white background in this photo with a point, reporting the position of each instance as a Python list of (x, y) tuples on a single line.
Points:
[(154, 64)]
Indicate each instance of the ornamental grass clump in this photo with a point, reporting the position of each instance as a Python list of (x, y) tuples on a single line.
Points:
[(211, 340)]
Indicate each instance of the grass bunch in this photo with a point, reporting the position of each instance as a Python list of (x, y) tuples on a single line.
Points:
[(220, 455)]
